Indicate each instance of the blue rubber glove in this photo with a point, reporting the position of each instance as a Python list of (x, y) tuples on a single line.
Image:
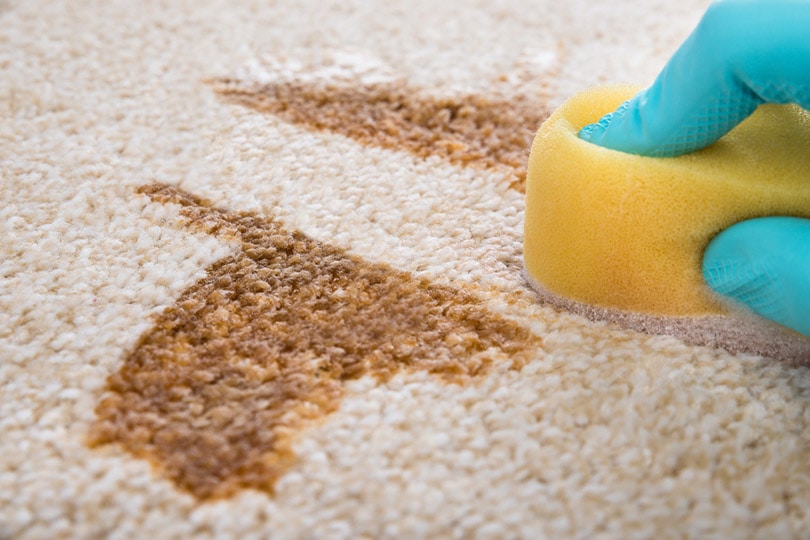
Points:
[(765, 264), (742, 54)]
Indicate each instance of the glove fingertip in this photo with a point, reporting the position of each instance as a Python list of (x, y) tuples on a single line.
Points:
[(600, 132), (587, 132), (752, 285)]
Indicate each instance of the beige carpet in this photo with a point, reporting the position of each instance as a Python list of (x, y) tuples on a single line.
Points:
[(261, 278)]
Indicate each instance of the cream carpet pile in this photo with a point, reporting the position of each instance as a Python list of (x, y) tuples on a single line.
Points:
[(261, 277)]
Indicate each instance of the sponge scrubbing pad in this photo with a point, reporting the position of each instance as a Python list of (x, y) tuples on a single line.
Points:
[(623, 232)]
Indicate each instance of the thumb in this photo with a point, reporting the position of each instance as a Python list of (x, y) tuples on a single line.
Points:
[(764, 264)]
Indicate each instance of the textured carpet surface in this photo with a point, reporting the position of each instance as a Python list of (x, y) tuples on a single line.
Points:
[(261, 277)]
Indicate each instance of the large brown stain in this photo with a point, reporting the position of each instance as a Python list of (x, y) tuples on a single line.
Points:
[(257, 350), (471, 130)]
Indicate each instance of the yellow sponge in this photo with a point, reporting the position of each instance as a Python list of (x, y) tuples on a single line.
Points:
[(627, 232)]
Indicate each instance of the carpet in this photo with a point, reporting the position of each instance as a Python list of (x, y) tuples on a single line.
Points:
[(261, 277)]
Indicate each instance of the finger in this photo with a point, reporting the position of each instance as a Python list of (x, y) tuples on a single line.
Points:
[(764, 264), (742, 54)]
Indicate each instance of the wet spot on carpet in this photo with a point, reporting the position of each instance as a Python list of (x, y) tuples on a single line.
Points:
[(250, 355)]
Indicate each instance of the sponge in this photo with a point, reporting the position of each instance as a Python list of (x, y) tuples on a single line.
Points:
[(626, 233)]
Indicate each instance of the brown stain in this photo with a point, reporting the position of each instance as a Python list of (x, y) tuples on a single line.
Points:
[(471, 130), (257, 350)]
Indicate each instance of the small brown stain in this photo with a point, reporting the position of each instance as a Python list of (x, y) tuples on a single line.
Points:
[(471, 130), (257, 350)]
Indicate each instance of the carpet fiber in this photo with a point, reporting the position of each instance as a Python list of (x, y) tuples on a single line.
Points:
[(261, 277)]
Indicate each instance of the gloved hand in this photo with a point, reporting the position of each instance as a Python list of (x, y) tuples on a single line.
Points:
[(742, 54), (765, 264)]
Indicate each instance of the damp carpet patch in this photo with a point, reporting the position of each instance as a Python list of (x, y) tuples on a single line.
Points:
[(262, 277)]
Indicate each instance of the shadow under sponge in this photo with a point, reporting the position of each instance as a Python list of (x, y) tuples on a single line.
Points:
[(620, 237)]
